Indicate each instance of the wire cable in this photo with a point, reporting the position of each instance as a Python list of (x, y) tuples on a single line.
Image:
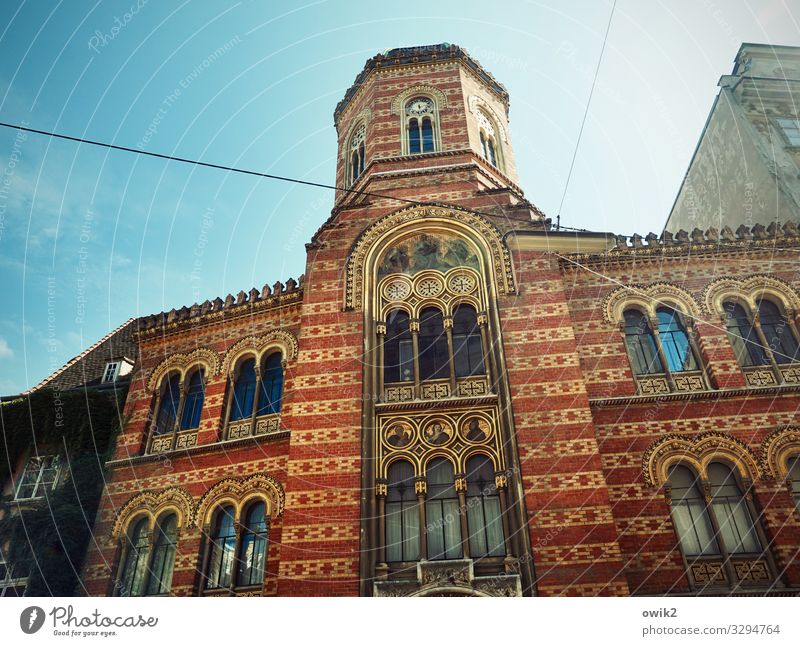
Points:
[(583, 121)]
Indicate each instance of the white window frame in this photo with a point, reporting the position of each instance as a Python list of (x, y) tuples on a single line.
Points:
[(114, 366), (39, 487)]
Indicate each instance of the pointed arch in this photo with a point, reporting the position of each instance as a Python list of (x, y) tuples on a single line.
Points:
[(697, 451), (153, 504), (496, 259), (239, 491), (281, 340), (181, 362)]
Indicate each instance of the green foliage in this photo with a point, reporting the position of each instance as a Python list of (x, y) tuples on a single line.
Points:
[(54, 531)]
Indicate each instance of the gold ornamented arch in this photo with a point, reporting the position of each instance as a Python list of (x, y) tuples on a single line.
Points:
[(240, 491), (182, 362), (474, 227), (399, 100), (649, 298), (748, 290), (776, 450), (697, 451), (282, 340), (154, 503)]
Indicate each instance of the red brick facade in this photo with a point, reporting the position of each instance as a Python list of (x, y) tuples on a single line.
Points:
[(575, 428)]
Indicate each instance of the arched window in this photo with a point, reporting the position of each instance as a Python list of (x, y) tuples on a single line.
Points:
[(794, 479), (402, 514), (433, 352), (743, 336), (398, 353), (641, 344), (467, 345), (690, 515), (420, 125), (357, 153), (488, 137), (168, 409), (777, 333), (269, 399), (163, 561), (674, 341), (244, 391), (223, 550), (443, 523), (736, 528), (134, 566), (484, 518), (193, 406), (253, 549)]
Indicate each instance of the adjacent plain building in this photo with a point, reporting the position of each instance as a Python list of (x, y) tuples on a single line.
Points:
[(746, 168)]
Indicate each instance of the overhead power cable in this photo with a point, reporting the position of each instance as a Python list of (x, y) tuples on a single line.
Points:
[(583, 121), (242, 171)]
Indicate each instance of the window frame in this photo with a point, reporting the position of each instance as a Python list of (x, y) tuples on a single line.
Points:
[(47, 462), (432, 116)]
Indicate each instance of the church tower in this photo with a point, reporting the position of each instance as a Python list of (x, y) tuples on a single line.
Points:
[(410, 289)]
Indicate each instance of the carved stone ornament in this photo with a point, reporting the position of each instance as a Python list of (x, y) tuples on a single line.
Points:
[(181, 362), (237, 489), (777, 448), (648, 298), (155, 503), (696, 451), (282, 340)]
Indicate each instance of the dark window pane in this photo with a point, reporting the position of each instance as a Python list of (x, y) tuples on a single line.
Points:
[(743, 336), (467, 346), (433, 354), (690, 515), (244, 391), (222, 546), (483, 146), (398, 354), (441, 508), (794, 478), (675, 341), (490, 147), (640, 344), (168, 411), (777, 333), (163, 560), (362, 155), (414, 137), (193, 407), (134, 569), (252, 554), (427, 135), (269, 400), (484, 518), (736, 526), (402, 514)]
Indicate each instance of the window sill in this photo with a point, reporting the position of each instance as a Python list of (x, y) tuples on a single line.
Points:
[(201, 448)]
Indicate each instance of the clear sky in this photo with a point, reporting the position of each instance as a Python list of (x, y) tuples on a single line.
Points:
[(90, 238)]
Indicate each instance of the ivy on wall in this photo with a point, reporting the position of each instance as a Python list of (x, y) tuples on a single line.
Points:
[(53, 532)]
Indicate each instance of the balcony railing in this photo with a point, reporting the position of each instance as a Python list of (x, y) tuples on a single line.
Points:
[(435, 389)]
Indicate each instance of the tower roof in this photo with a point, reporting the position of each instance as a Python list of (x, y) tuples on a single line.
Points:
[(419, 54)]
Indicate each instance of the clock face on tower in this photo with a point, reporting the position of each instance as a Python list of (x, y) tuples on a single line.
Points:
[(420, 105)]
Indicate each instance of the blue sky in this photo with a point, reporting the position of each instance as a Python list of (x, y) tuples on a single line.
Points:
[(89, 237)]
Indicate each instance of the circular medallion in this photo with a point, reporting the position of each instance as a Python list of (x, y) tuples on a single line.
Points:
[(398, 435), (397, 290), (429, 287), (476, 429), (462, 284), (438, 432)]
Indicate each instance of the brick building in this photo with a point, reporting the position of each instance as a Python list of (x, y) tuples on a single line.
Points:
[(457, 399)]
